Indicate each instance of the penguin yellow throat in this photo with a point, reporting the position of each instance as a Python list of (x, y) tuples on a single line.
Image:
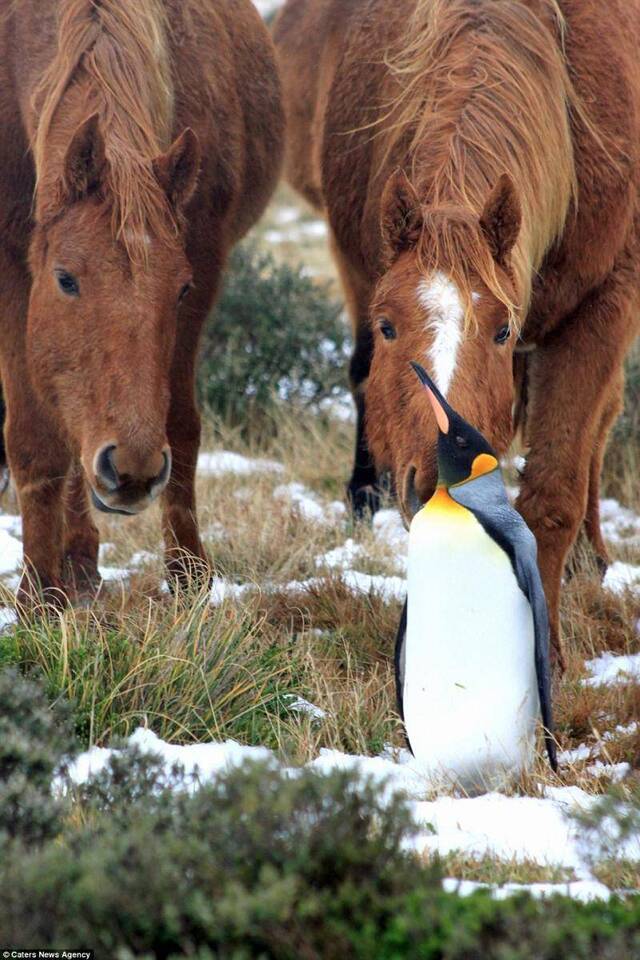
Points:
[(442, 504)]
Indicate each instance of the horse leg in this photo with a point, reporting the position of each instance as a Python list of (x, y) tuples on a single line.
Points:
[(81, 539), (4, 469), (185, 557), (362, 489), (592, 527), (571, 381), (37, 454)]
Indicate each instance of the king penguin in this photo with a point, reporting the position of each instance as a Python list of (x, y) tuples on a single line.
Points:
[(472, 653)]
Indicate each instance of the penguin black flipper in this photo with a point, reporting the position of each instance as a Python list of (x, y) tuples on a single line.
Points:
[(487, 499), (399, 659)]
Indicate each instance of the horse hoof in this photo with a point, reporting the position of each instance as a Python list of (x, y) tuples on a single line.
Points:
[(81, 573), (187, 573), (364, 501), (36, 598)]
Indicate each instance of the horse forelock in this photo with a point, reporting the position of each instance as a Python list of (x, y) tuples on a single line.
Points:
[(482, 90), (120, 51), (451, 245)]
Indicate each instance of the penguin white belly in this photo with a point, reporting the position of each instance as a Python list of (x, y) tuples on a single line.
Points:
[(470, 695)]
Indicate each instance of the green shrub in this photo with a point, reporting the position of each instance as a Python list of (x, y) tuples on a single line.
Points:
[(627, 428), (146, 862), (261, 864), (33, 739), (610, 828), (622, 460), (274, 334), (255, 864)]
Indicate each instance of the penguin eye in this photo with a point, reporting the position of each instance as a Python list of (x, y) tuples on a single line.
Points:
[(503, 334), (387, 329), (462, 442)]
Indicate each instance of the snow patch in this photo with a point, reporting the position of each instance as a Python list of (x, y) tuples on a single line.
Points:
[(222, 590), (267, 7), (11, 523), (509, 827), (309, 505), (220, 462), (8, 617), (10, 552), (114, 574), (619, 524), (207, 759), (342, 558), (584, 890), (609, 669), (389, 588), (300, 705), (298, 232), (621, 576)]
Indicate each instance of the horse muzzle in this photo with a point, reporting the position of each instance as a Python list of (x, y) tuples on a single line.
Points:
[(127, 485)]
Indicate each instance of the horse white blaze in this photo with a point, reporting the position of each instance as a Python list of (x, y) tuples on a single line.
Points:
[(441, 299)]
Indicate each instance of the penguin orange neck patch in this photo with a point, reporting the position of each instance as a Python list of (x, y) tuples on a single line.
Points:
[(442, 502), (483, 463)]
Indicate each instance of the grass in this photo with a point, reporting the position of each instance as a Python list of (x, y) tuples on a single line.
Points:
[(193, 672), (496, 871)]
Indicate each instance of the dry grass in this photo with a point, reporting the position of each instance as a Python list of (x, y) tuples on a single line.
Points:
[(495, 871)]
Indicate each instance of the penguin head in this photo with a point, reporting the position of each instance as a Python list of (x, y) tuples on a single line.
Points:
[(463, 453)]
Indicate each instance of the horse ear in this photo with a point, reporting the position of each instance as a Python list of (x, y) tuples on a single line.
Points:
[(177, 170), (501, 218), (84, 162), (400, 216)]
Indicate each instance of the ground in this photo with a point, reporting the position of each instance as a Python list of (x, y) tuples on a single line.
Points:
[(289, 655)]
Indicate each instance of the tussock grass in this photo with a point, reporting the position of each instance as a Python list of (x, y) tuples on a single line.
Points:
[(499, 872), (189, 671)]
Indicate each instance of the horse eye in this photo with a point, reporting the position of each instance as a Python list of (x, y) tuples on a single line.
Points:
[(387, 329), (183, 293), (503, 334), (68, 283)]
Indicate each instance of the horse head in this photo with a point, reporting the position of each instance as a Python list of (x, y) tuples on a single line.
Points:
[(446, 299)]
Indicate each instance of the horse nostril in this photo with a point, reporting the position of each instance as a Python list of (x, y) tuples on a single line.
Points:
[(105, 468), (163, 476), (412, 500)]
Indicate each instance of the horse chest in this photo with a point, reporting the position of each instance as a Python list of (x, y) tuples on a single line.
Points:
[(470, 695)]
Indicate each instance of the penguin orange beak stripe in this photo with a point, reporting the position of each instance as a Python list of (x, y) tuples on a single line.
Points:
[(440, 414)]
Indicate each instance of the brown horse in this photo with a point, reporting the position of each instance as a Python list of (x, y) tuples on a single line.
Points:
[(139, 142), (479, 165)]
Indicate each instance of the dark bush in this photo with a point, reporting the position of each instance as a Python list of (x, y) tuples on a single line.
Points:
[(264, 865), (622, 460), (274, 334), (33, 740), (257, 864), (627, 428), (148, 863)]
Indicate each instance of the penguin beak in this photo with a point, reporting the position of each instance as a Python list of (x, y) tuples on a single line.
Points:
[(438, 402)]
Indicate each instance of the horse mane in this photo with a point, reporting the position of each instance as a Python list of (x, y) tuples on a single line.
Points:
[(483, 89), (120, 49)]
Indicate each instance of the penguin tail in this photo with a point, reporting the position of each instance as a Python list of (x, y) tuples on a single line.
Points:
[(550, 744)]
